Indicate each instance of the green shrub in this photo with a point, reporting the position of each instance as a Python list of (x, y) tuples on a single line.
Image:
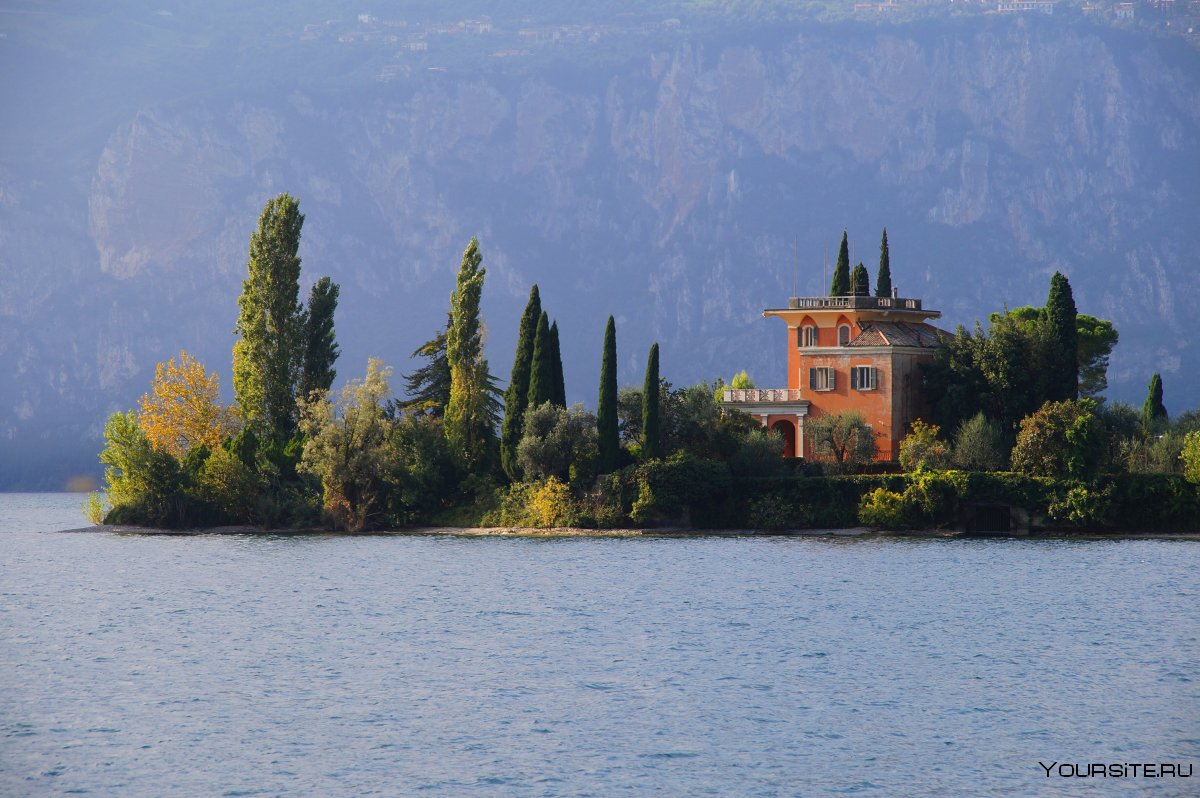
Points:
[(883, 508)]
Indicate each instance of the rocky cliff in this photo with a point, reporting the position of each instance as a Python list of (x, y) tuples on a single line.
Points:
[(682, 183)]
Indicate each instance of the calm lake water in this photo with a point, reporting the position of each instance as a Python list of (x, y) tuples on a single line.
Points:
[(338, 666)]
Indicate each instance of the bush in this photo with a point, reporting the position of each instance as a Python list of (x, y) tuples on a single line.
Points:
[(1191, 457), (1061, 439), (883, 508), (979, 446), (921, 449), (558, 442)]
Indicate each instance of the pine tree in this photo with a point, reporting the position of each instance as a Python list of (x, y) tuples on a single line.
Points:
[(1063, 354), (860, 281), (883, 281), (606, 408), (841, 273), (541, 372), (1154, 412), (651, 425), (267, 357), (428, 387), (467, 422), (517, 395), (320, 346), (560, 385)]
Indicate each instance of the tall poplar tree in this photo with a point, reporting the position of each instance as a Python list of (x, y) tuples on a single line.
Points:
[(559, 383), (320, 345), (883, 281), (651, 422), (841, 273), (541, 372), (516, 398), (1154, 412), (1063, 355), (467, 421), (609, 441), (860, 281), (267, 357)]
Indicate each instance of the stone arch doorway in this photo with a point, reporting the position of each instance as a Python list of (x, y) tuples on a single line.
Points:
[(788, 430)]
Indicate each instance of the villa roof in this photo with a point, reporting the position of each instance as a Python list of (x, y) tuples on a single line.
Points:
[(899, 333)]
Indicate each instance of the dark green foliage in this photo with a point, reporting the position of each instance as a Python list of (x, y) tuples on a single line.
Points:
[(428, 387), (267, 356), (560, 385), (629, 415), (860, 281), (609, 442), (423, 476), (517, 396), (541, 373), (683, 490), (1095, 339), (1154, 412), (559, 442), (1062, 361), (883, 280), (840, 285), (320, 345), (652, 438)]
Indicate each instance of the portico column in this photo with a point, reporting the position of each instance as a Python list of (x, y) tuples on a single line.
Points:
[(800, 436)]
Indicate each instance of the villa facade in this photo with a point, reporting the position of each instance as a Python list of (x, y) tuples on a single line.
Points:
[(848, 353)]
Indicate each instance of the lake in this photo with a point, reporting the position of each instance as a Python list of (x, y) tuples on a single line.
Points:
[(138, 665)]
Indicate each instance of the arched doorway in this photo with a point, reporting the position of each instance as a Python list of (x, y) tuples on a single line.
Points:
[(788, 430)]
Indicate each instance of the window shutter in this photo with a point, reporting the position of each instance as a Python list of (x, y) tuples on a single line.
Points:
[(812, 379), (854, 379), (832, 379)]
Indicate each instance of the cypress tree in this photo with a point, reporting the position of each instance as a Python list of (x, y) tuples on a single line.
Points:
[(516, 398), (1063, 355), (467, 422), (541, 372), (560, 386), (609, 441), (651, 424), (320, 346), (1154, 412), (883, 281), (860, 281), (267, 357), (841, 273)]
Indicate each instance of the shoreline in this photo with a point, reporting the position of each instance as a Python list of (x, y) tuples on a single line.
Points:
[(653, 532)]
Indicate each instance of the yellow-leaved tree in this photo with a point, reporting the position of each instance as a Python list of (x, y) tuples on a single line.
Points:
[(183, 408)]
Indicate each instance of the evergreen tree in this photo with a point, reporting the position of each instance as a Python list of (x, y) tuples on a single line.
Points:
[(268, 353), (468, 425), (428, 387), (606, 408), (883, 281), (517, 395), (541, 373), (841, 273), (1063, 355), (320, 346), (860, 281), (651, 422), (1154, 412), (560, 385)]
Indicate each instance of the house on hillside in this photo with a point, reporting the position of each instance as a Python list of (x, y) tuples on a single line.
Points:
[(848, 353)]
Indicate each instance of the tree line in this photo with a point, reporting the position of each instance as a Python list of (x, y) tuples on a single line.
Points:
[(460, 450)]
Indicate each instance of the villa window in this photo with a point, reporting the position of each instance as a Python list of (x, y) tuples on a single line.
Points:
[(822, 379), (864, 378), (808, 336), (843, 335)]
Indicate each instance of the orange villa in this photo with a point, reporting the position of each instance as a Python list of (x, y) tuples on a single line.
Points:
[(860, 353)]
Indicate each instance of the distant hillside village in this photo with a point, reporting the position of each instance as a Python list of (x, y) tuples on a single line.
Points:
[(855, 437), (416, 43)]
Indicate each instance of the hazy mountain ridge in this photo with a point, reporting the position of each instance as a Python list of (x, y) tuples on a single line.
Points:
[(666, 188)]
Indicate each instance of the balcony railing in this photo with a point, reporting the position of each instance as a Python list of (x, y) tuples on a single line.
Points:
[(854, 302), (761, 395)]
